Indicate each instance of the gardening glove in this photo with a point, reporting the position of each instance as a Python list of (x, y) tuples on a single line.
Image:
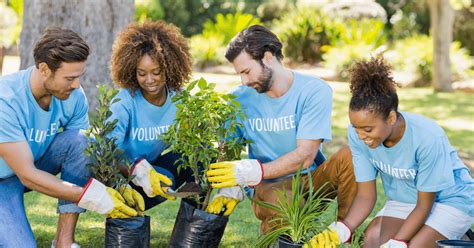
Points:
[(225, 200), (245, 172), (337, 233), (152, 182), (104, 200), (394, 243), (133, 198)]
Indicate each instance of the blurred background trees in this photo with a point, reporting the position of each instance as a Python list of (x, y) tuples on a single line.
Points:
[(98, 22), (328, 33)]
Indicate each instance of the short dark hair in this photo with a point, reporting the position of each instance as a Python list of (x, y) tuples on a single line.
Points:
[(372, 87), (58, 45), (254, 40)]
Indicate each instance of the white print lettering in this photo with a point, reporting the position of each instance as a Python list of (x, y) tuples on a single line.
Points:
[(148, 133), (394, 172), (272, 124), (39, 136)]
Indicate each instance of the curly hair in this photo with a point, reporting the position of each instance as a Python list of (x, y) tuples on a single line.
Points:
[(163, 42), (372, 87)]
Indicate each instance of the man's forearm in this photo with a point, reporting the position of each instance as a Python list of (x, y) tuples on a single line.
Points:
[(290, 162), (48, 184)]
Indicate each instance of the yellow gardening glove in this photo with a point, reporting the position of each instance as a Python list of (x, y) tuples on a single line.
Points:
[(120, 210), (245, 172), (152, 182), (104, 200), (225, 200), (222, 203), (337, 233), (133, 198)]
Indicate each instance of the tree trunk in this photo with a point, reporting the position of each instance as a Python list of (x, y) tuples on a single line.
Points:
[(97, 21), (442, 19)]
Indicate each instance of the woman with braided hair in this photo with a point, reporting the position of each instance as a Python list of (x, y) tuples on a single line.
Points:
[(430, 191)]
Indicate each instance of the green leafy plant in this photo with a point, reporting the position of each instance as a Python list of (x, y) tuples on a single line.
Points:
[(303, 33), (203, 131), (333, 58), (300, 216), (415, 55), (207, 48), (105, 155), (367, 31)]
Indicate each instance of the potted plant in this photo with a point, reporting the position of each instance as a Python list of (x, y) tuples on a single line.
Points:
[(106, 158), (300, 216), (202, 133)]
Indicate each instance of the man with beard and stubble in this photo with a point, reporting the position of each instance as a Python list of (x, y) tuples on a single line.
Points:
[(288, 118), (42, 112)]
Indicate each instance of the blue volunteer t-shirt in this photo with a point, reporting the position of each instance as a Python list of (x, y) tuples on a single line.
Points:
[(140, 124), (22, 119), (423, 160), (274, 124)]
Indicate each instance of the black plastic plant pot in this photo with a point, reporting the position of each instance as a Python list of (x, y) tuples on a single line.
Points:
[(197, 228), (127, 232), (455, 243), (284, 242)]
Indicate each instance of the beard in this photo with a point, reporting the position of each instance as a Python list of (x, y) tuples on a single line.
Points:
[(265, 81)]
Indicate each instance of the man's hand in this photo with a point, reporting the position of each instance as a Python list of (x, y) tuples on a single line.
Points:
[(104, 200), (225, 200), (393, 243), (246, 172), (152, 182), (337, 233), (133, 198)]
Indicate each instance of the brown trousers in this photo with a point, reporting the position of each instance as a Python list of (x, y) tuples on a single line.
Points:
[(336, 174)]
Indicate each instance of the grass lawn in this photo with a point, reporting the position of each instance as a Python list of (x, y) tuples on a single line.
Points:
[(453, 111)]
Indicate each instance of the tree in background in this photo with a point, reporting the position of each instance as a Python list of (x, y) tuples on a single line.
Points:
[(442, 20), (190, 15), (97, 22), (9, 29)]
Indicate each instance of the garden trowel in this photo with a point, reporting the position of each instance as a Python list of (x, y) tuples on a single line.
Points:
[(186, 190)]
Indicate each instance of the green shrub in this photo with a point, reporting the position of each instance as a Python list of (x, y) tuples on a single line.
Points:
[(464, 28), (302, 32), (415, 55), (351, 31), (228, 25), (148, 10), (208, 48), (340, 58), (207, 51)]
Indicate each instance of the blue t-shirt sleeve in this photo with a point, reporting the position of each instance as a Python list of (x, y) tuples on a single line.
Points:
[(10, 129), (363, 169), (435, 170), (315, 121), (80, 119), (121, 113)]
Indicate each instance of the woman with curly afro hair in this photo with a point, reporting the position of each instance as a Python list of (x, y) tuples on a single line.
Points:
[(429, 189), (150, 63)]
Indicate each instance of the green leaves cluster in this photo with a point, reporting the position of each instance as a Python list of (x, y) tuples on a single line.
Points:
[(102, 150), (299, 214), (203, 131)]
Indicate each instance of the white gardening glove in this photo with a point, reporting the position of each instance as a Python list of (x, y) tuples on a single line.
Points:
[(104, 200), (152, 182), (225, 200), (393, 243), (245, 172)]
